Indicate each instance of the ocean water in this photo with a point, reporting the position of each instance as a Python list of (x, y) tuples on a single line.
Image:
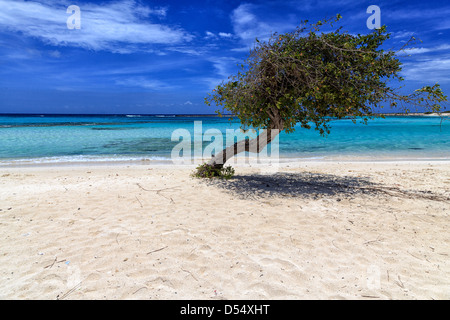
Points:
[(62, 138)]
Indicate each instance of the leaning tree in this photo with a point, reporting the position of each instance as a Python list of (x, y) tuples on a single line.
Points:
[(309, 77)]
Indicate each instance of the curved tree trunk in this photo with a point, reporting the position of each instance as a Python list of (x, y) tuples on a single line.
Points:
[(255, 145)]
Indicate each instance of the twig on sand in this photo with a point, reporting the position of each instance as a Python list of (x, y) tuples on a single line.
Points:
[(371, 241), (158, 191), (139, 202), (142, 187), (68, 292), (336, 246), (139, 290), (51, 265), (416, 256), (190, 274), (409, 194), (400, 283), (54, 261), (157, 250)]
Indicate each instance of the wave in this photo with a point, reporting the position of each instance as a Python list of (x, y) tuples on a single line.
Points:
[(83, 159), (157, 116), (72, 124), (55, 124)]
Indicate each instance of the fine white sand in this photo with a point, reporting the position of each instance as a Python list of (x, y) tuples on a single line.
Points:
[(314, 230)]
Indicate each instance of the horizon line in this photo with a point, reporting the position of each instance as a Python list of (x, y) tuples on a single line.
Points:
[(170, 114)]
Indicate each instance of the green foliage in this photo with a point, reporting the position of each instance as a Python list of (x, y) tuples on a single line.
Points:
[(209, 171), (308, 77)]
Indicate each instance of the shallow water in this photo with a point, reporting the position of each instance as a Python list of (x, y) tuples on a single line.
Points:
[(63, 138)]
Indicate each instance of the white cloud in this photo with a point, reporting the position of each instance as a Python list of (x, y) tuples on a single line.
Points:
[(193, 51), (419, 13), (123, 26), (225, 35), (412, 51), (210, 35), (443, 25), (146, 67), (225, 66), (430, 70), (248, 26), (402, 34), (209, 82), (241, 49), (55, 54), (142, 82)]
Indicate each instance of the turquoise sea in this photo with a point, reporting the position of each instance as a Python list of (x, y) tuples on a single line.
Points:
[(97, 138)]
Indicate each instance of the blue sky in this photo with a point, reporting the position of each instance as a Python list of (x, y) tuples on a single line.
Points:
[(163, 57)]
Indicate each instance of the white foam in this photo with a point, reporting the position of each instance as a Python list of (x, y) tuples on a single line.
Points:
[(82, 158)]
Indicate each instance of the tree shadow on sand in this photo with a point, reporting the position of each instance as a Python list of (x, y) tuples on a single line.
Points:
[(313, 185)]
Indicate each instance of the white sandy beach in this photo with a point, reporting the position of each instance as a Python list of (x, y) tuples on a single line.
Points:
[(315, 230)]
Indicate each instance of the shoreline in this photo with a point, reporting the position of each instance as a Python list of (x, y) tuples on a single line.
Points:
[(444, 113), (253, 162)]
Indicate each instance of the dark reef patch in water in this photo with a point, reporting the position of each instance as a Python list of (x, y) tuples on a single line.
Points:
[(143, 145), (114, 129)]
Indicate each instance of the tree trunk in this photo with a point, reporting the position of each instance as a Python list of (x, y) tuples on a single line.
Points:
[(255, 145)]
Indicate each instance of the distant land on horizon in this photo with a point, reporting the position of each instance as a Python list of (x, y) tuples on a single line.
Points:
[(187, 115)]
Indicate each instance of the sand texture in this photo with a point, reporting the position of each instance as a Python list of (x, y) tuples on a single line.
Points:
[(314, 230)]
